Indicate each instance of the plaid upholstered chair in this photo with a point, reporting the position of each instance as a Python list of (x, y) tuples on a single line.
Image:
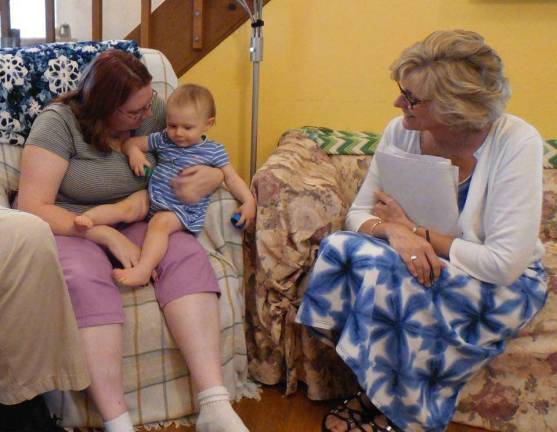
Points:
[(303, 193), (157, 383)]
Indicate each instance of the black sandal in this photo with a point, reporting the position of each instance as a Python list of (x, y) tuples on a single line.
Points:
[(351, 416), (390, 427), (365, 415)]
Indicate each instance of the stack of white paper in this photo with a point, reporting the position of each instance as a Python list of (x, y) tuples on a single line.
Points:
[(426, 187)]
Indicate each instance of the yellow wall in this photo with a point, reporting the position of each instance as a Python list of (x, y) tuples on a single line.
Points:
[(326, 63)]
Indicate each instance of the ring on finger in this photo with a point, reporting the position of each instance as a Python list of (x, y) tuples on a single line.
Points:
[(413, 258)]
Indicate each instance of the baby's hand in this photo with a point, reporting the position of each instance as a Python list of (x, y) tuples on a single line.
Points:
[(247, 213), (138, 162)]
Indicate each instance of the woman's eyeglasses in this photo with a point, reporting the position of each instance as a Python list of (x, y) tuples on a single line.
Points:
[(411, 99), (137, 114)]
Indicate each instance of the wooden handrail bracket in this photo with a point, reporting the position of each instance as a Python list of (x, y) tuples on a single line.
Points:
[(97, 20), (145, 26), (197, 36)]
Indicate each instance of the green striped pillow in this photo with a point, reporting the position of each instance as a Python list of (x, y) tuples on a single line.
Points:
[(340, 142), (550, 154)]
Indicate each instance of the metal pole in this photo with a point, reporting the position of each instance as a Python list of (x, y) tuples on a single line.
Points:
[(256, 56), (254, 116)]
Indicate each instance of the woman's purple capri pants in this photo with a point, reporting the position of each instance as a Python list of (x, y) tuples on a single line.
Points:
[(96, 300)]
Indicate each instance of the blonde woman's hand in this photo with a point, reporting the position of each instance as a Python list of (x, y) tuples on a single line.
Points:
[(417, 253), (389, 210)]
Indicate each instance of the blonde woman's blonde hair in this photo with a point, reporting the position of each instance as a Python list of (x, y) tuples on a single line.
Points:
[(193, 94), (460, 74)]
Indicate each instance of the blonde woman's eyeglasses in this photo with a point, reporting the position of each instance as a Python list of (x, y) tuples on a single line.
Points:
[(409, 97)]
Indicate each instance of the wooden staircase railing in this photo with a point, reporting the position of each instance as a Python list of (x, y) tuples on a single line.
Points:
[(96, 16), (184, 30)]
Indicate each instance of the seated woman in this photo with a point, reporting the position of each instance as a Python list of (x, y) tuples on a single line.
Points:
[(33, 286), (415, 312), (73, 161)]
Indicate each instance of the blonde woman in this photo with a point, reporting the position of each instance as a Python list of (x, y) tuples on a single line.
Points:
[(415, 312)]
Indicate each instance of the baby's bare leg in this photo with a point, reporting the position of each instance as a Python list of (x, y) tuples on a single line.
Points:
[(154, 247), (131, 209)]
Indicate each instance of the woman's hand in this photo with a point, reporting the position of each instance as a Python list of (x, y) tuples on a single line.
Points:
[(123, 249), (389, 210), (417, 253), (194, 183)]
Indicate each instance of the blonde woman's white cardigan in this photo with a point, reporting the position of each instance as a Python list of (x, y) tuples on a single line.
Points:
[(501, 218)]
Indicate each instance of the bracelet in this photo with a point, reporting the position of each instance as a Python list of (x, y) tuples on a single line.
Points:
[(427, 236), (379, 222), (415, 228)]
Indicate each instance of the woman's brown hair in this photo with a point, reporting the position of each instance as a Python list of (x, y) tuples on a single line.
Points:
[(106, 84)]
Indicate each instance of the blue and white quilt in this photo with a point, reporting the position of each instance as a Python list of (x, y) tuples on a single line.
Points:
[(31, 77)]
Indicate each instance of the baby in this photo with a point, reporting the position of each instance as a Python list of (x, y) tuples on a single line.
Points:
[(190, 114)]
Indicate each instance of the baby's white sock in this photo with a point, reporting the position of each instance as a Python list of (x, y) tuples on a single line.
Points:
[(122, 423), (216, 413)]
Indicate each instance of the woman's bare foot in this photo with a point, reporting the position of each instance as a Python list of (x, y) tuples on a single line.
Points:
[(135, 276), (83, 222)]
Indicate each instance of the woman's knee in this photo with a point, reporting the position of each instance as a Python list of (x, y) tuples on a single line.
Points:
[(88, 274), (184, 255), (336, 239), (30, 232), (185, 269), (84, 263), (182, 245)]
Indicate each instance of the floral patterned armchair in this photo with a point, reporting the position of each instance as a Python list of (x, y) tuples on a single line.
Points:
[(303, 193)]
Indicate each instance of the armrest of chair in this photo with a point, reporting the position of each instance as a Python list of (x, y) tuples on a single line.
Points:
[(219, 237), (164, 78), (10, 156), (299, 202)]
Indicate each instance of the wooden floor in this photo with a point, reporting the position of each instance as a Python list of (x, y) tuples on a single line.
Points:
[(296, 413)]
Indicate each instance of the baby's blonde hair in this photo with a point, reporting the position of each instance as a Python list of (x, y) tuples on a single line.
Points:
[(193, 94)]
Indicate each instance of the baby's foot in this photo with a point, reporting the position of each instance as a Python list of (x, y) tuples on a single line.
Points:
[(134, 276), (83, 221)]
